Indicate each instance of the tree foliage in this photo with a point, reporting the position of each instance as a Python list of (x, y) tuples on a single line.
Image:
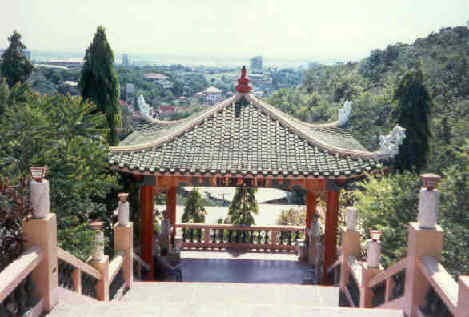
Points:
[(388, 203), (15, 67), (194, 210), (243, 206), (65, 134), (292, 217), (413, 113), (99, 83)]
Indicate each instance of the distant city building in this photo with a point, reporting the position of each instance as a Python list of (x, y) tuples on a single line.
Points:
[(69, 62), (129, 93), (160, 79), (212, 95), (468, 24), (125, 60), (256, 65)]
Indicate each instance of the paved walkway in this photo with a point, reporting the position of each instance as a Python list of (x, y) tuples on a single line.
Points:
[(222, 300), (225, 267)]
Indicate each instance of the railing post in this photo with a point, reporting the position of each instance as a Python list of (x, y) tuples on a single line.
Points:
[(101, 263), (77, 280), (350, 244), (123, 239), (389, 287), (370, 269), (463, 297), (425, 238), (273, 242), (206, 237), (41, 230)]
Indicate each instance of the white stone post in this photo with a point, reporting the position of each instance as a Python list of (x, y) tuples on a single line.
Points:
[(98, 254), (373, 252), (428, 202), (351, 218), (39, 186), (123, 209)]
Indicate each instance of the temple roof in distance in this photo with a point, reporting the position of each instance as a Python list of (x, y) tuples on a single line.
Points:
[(242, 135)]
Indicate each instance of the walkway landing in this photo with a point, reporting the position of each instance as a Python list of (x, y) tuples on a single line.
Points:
[(226, 267), (223, 300)]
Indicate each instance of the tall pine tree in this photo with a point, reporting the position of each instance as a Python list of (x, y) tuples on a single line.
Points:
[(413, 113), (15, 67), (243, 206), (194, 210), (99, 82)]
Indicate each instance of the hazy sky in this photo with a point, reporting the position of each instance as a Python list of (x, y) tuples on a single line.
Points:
[(346, 29)]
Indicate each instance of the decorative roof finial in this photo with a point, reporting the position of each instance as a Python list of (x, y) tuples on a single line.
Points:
[(243, 82)]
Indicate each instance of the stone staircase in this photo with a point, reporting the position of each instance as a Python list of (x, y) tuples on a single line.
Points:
[(215, 299)]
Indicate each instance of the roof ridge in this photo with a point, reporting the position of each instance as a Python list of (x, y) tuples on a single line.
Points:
[(286, 120), (191, 123)]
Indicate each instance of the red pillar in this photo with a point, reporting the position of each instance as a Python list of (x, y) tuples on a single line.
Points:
[(146, 196), (310, 211), (171, 208), (330, 236), (310, 208)]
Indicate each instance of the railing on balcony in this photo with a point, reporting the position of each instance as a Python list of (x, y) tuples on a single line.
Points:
[(442, 296), (141, 268), (117, 285), (76, 275), (17, 290), (258, 238), (388, 285)]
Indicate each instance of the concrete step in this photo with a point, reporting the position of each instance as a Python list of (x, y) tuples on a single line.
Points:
[(221, 299)]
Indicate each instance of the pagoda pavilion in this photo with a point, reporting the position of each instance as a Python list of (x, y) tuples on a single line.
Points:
[(243, 141)]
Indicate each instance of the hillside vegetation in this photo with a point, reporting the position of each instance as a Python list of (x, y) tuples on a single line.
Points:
[(389, 202), (370, 84)]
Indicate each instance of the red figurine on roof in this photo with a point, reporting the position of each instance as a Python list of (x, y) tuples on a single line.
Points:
[(243, 82)]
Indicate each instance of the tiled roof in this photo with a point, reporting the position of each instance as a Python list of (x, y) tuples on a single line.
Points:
[(242, 135)]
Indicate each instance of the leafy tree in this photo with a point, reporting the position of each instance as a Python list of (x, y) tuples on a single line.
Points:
[(65, 134), (453, 217), (292, 217), (99, 82), (15, 67), (388, 203), (243, 206), (194, 210), (413, 113)]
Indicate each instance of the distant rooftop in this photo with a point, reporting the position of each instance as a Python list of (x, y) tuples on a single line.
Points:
[(212, 90), (155, 76)]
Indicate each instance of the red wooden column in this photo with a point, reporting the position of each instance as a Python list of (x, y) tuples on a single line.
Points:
[(310, 209), (330, 236), (171, 208), (146, 196)]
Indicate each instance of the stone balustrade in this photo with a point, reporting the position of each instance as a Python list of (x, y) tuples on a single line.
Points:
[(17, 286), (418, 284), (254, 238), (45, 266)]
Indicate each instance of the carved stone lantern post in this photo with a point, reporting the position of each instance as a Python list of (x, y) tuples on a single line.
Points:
[(428, 202), (98, 254), (39, 192), (123, 209), (374, 249), (351, 218)]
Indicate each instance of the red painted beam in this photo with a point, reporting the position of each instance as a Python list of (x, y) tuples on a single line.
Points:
[(171, 208), (147, 218), (330, 236), (310, 208)]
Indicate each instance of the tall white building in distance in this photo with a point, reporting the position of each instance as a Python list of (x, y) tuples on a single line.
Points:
[(256, 65), (125, 60)]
